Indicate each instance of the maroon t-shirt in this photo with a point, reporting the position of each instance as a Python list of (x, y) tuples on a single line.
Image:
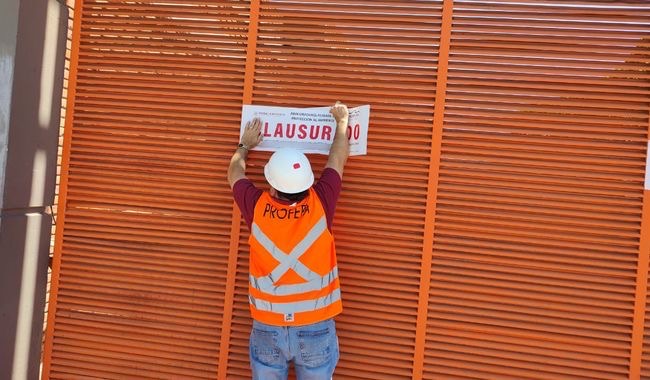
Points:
[(327, 188)]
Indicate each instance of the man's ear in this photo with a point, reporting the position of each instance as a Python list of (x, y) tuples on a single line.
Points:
[(273, 192)]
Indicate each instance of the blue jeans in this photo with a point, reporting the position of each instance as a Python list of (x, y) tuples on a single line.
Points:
[(314, 349)]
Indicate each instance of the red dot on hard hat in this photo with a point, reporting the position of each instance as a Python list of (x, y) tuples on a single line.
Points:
[(296, 165)]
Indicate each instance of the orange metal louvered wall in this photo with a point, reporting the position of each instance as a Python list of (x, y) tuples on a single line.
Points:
[(497, 229), (540, 191)]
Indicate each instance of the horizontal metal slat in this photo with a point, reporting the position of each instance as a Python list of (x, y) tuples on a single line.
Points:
[(550, 227), (144, 185), (598, 262), (342, 69), (532, 236), (583, 171), (576, 8), (135, 174), (69, 369), (614, 287), (383, 250), (540, 197), (527, 289), (164, 36), (144, 283), (160, 343), (391, 259), (540, 73), (144, 94), (181, 11), (522, 344), (208, 131), (558, 28), (578, 344), (510, 153), (351, 18), (533, 292), (152, 62), (136, 302), (368, 94), (200, 335), (169, 269), (169, 366), (451, 208), (163, 79), (546, 46), (298, 36), (483, 317), (125, 104), (529, 359), (500, 368), (576, 87), (106, 18), (541, 181), (186, 257), (552, 123), (129, 309), (557, 313), (489, 301)]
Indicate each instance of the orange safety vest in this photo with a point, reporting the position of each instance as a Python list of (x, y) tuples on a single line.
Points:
[(293, 274)]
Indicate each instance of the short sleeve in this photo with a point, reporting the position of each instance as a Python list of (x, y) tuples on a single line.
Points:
[(328, 189), (246, 196)]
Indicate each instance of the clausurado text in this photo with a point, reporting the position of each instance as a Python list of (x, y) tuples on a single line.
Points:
[(306, 131)]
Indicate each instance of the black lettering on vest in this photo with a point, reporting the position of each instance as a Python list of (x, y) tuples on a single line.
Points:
[(267, 208), (285, 213)]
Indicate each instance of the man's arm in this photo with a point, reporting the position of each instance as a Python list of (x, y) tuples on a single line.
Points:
[(340, 148), (251, 137)]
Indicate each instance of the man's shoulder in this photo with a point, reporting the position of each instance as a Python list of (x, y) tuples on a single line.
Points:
[(242, 184), (246, 195), (330, 176), (328, 189)]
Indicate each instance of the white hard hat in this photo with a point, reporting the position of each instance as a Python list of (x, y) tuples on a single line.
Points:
[(289, 171)]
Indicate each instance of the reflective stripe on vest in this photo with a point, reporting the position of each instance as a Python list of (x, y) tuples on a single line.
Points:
[(296, 307), (265, 285), (314, 281), (289, 261)]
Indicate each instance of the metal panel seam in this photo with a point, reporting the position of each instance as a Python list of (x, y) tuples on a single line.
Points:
[(432, 193), (63, 189), (229, 304), (638, 323)]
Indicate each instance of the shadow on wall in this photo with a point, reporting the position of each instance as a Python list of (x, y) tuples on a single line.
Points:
[(29, 180)]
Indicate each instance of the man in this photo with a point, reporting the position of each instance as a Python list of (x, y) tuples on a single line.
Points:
[(294, 290)]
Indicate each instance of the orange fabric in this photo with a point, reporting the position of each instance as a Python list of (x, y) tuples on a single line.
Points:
[(286, 226), (304, 318)]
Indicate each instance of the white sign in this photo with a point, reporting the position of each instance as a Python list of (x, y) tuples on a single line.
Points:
[(310, 130)]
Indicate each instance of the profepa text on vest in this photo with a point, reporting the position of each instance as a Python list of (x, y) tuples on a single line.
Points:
[(295, 212)]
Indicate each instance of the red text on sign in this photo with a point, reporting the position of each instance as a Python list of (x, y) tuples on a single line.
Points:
[(354, 131), (300, 131)]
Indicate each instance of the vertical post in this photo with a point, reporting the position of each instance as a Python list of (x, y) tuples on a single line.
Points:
[(638, 322), (249, 76), (32, 52), (63, 189), (432, 194)]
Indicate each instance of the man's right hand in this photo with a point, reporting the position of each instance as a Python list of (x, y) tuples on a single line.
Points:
[(340, 113), (340, 148)]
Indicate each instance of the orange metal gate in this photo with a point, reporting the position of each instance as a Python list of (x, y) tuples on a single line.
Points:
[(497, 229)]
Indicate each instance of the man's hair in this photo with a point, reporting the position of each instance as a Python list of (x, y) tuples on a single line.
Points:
[(295, 197)]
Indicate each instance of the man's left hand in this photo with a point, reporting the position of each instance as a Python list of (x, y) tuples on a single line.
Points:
[(252, 133)]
